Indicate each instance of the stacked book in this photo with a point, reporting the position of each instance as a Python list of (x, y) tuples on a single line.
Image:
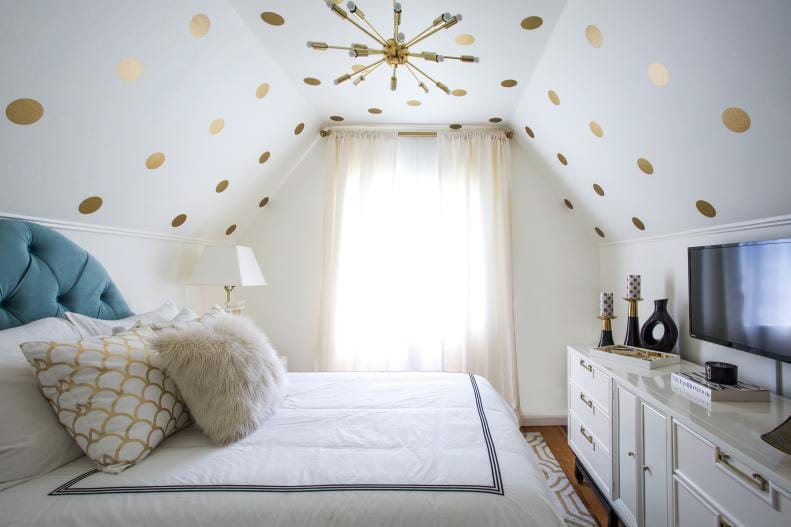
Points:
[(695, 385)]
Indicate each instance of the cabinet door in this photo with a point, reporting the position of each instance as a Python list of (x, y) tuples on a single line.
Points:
[(654, 468), (627, 452), (691, 511)]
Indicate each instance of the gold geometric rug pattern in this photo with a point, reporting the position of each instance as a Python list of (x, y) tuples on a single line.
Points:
[(565, 498)]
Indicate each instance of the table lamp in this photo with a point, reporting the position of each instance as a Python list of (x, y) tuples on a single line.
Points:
[(229, 266)]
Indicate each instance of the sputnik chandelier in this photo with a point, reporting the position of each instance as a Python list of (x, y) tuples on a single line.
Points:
[(395, 51)]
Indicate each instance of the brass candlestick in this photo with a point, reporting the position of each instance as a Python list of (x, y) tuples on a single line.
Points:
[(633, 324), (606, 330)]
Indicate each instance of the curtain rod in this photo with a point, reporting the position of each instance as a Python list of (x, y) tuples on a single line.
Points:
[(413, 133)]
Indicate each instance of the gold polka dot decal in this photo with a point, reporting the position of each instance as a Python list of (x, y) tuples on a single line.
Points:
[(562, 159), (569, 204), (413, 102), (273, 19), (216, 126), (455, 126), (24, 111), (221, 186), (529, 132), (264, 202), (299, 128), (459, 92), (262, 90), (155, 160), (495, 120), (553, 96), (357, 67), (374, 111), (336, 118), (638, 223), (199, 25), (311, 81), (178, 221), (264, 157), (532, 22), (736, 120), (465, 39), (706, 208), (598, 190), (90, 205), (230, 230), (594, 36), (129, 69), (658, 74), (508, 83), (599, 232), (596, 129), (645, 166)]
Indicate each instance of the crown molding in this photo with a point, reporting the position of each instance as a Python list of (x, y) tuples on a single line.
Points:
[(101, 229), (776, 221)]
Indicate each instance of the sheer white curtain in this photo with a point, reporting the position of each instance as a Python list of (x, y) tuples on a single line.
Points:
[(417, 270)]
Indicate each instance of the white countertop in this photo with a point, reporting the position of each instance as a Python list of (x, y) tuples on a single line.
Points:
[(737, 424)]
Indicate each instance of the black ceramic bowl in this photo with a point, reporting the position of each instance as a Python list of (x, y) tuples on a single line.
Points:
[(722, 372)]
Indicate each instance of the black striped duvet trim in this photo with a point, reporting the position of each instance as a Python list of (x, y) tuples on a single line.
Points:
[(495, 488)]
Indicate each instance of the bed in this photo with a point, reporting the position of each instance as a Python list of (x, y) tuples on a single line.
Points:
[(346, 449)]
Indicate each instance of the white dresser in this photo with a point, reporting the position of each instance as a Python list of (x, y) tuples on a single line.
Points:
[(661, 460)]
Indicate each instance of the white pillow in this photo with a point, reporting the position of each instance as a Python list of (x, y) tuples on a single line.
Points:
[(32, 441), (95, 327)]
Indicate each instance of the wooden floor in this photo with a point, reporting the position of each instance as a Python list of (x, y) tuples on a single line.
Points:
[(555, 437)]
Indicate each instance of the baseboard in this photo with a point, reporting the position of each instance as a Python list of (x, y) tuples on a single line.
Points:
[(542, 420)]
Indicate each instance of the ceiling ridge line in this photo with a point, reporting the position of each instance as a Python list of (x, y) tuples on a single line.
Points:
[(774, 221)]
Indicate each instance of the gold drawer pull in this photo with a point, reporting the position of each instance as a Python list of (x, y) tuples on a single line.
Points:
[(722, 522), (646, 468), (756, 480), (586, 435), (586, 366), (630, 454), (586, 400)]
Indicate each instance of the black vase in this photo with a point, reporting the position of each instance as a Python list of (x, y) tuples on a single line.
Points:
[(660, 317)]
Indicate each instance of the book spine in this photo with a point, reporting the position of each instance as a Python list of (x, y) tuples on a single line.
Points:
[(692, 386)]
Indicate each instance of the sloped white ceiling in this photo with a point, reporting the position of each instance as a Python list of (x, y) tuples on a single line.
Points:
[(719, 55), (98, 130), (506, 51), (120, 81)]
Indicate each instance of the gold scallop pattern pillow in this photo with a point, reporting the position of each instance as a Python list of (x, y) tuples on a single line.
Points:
[(110, 395)]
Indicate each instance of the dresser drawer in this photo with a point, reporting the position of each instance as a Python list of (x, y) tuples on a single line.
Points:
[(590, 379), (594, 456), (732, 485), (590, 414)]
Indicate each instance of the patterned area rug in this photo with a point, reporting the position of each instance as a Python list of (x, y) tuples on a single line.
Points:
[(565, 498)]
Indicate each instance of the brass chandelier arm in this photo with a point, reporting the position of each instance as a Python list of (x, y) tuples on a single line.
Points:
[(438, 84), (463, 58), (369, 68), (450, 23), (396, 19), (344, 15), (441, 19), (356, 11), (420, 83)]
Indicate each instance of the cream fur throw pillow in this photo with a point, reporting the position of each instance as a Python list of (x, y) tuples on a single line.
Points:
[(227, 372)]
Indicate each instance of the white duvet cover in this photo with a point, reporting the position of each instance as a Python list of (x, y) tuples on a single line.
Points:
[(346, 449)]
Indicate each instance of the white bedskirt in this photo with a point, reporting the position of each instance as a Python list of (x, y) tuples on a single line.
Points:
[(346, 449)]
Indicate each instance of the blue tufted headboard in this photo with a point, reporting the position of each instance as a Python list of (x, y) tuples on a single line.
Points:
[(44, 274)]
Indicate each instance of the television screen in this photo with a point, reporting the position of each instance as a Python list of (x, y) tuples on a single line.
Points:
[(740, 296)]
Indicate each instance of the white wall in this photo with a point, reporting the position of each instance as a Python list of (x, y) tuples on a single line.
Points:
[(287, 239), (556, 286), (555, 277), (663, 266), (148, 271)]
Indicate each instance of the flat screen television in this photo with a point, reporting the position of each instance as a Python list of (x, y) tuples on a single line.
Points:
[(740, 296)]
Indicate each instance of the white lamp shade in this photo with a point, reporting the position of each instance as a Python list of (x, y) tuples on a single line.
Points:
[(229, 265)]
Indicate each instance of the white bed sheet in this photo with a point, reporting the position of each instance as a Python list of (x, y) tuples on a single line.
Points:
[(346, 449)]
